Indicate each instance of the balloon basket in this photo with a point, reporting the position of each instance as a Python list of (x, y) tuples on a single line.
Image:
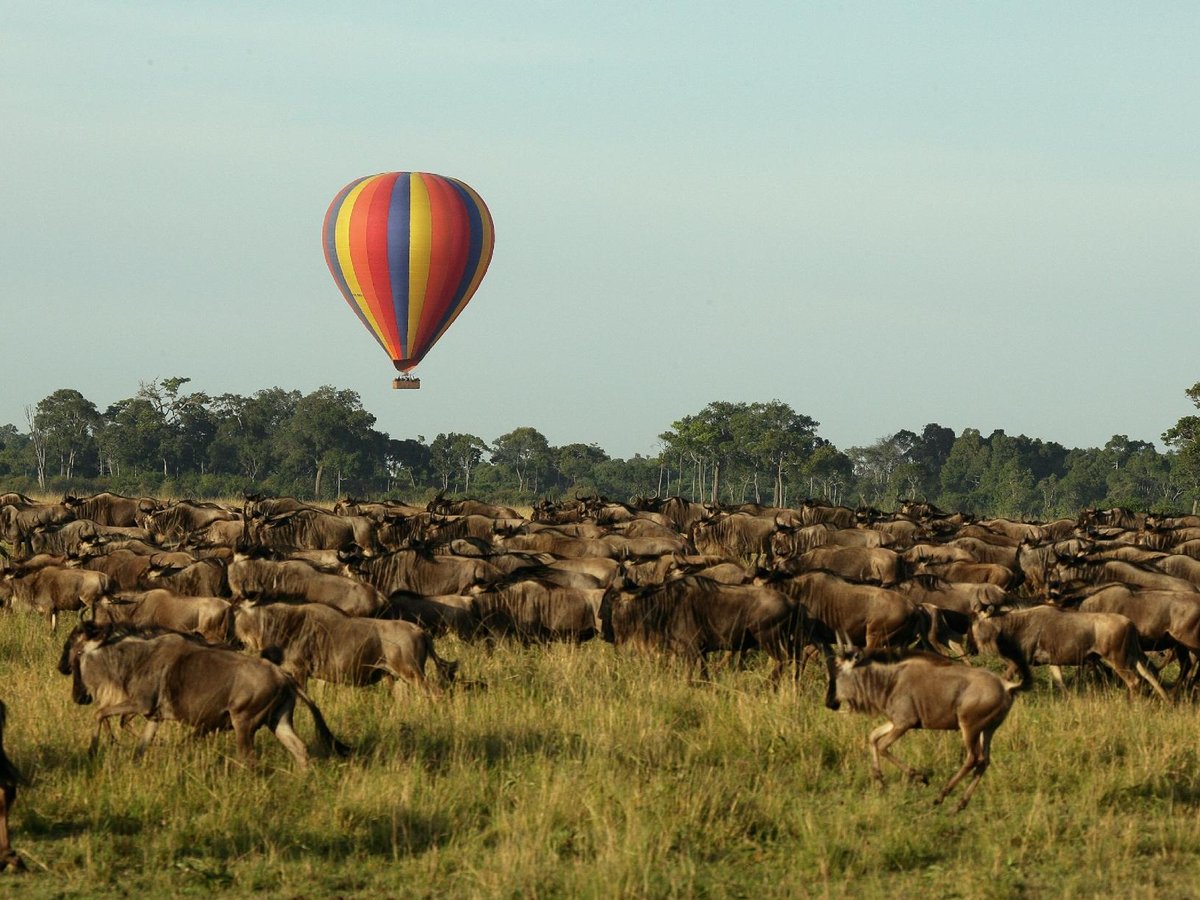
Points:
[(406, 383)]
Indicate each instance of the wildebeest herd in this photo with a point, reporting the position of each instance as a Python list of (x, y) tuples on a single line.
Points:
[(216, 615)]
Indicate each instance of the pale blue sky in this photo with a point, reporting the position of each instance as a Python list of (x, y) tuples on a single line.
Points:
[(883, 214)]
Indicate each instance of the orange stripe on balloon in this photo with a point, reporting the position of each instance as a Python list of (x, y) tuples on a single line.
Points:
[(376, 249), (360, 217)]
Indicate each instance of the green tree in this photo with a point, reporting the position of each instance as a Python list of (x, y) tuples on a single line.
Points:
[(963, 471), (577, 463), (68, 420), (1184, 437), (330, 430), (454, 454), (524, 452), (246, 438)]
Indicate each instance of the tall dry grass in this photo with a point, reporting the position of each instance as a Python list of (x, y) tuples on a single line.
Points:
[(586, 773)]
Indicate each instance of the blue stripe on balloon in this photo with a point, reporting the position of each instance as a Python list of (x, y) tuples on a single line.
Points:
[(397, 254)]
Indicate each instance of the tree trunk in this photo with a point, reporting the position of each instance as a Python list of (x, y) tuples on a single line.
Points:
[(317, 483)]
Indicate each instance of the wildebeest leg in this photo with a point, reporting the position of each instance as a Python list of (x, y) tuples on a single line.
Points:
[(103, 724), (984, 759), (978, 743), (243, 732), (147, 736), (280, 723), (8, 859), (1056, 675), (1183, 656), (1144, 670), (882, 738)]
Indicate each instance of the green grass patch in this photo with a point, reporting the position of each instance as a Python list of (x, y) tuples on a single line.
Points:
[(583, 772)]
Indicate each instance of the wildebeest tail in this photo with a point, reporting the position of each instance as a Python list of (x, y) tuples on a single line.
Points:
[(327, 743), (447, 669), (272, 654)]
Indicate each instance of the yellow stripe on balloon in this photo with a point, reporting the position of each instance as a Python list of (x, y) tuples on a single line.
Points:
[(346, 263), (420, 242)]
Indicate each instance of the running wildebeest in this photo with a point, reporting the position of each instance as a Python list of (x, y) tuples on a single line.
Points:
[(164, 676), (924, 690)]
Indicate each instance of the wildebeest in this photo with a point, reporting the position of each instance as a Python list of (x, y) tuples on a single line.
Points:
[(166, 676), (110, 509), (533, 610), (872, 565), (182, 518), (420, 573), (692, 617), (924, 690), (867, 616), (439, 614), (313, 529), (468, 507), (52, 590), (1050, 636), (10, 780), (318, 641), (209, 617), (297, 581), (1165, 620), (737, 535)]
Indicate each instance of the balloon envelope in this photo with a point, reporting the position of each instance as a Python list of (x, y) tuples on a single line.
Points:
[(407, 250)]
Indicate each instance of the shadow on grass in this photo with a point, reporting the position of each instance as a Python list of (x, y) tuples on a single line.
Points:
[(1174, 787), (399, 833), (437, 751)]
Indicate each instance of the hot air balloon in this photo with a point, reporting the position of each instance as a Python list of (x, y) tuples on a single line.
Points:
[(407, 250)]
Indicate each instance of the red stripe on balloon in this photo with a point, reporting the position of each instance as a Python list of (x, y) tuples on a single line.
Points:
[(451, 240), (376, 238), (360, 221)]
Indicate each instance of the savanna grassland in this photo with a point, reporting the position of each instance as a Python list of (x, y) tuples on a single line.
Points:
[(578, 771)]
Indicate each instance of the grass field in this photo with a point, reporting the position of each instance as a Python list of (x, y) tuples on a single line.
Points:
[(581, 772)]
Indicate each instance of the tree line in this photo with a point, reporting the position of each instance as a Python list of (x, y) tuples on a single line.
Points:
[(170, 441)]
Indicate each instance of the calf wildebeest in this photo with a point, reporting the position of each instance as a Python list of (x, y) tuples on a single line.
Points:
[(318, 641), (1050, 636), (693, 616), (166, 676), (10, 780), (924, 690)]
